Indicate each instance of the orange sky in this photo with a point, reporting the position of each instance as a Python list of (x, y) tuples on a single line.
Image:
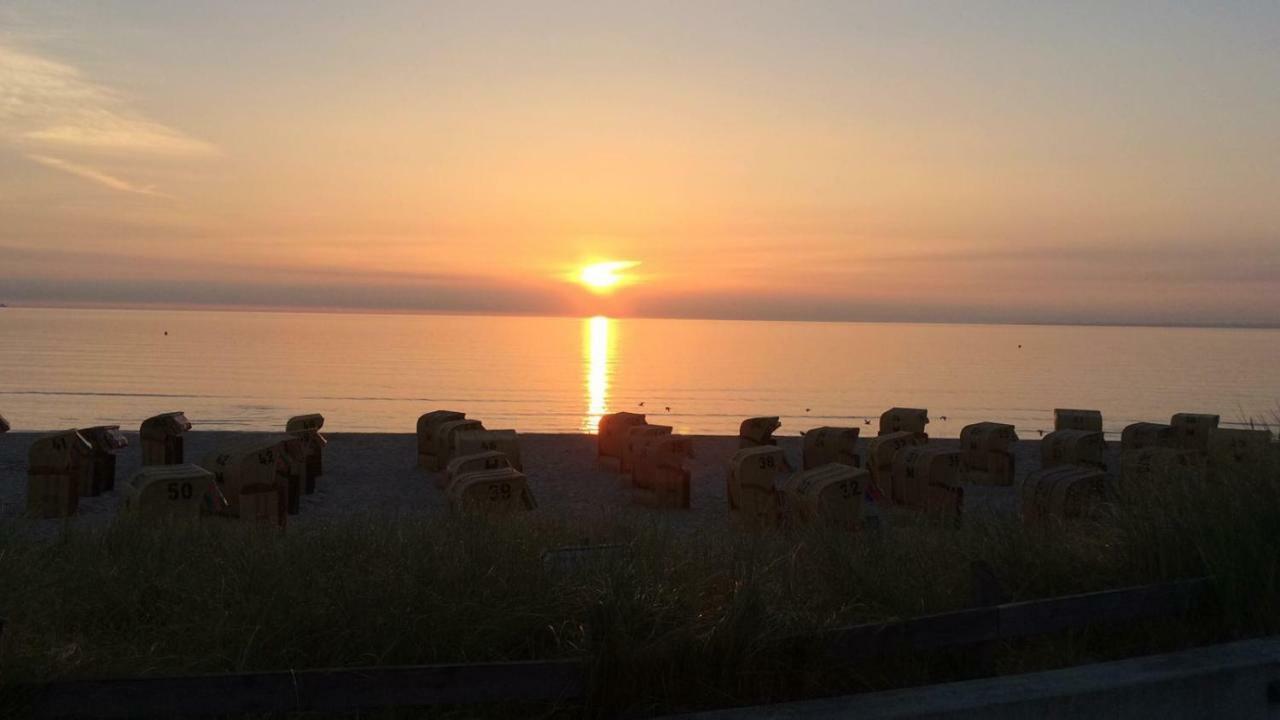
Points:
[(984, 161)]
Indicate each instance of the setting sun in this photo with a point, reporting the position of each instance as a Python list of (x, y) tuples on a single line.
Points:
[(604, 276)]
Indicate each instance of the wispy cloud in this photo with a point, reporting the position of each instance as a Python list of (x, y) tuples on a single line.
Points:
[(48, 104), (53, 114), (97, 176)]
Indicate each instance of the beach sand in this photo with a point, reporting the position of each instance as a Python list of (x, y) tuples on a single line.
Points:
[(377, 475)]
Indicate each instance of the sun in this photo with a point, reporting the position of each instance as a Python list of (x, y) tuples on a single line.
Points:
[(603, 277)]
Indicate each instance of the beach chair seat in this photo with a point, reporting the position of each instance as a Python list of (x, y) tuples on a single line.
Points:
[(754, 474), (444, 439), (1191, 431), (55, 464), (899, 419), (491, 492), (660, 478), (428, 424), (307, 429), (105, 441), (823, 445), (881, 451), (927, 477), (1234, 451), (463, 464), (637, 436), (611, 434), (172, 491), (249, 471), (757, 431), (1073, 447), (1139, 435), (1064, 492), (161, 438), (1073, 419), (987, 453), (470, 442), (829, 494)]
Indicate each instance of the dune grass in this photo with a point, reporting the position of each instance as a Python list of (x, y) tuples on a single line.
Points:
[(674, 621)]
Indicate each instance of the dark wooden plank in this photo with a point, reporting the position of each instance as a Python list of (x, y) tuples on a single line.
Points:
[(864, 642), (1039, 617), (337, 690), (1009, 621)]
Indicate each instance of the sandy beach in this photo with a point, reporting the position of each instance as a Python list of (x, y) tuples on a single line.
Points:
[(376, 474)]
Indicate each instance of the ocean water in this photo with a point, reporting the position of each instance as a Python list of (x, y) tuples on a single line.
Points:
[(64, 368)]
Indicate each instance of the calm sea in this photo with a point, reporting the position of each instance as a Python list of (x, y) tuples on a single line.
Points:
[(376, 373)]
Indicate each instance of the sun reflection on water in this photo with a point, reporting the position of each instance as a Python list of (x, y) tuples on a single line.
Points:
[(596, 349)]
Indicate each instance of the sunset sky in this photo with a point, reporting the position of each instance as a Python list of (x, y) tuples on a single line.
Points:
[(933, 161)]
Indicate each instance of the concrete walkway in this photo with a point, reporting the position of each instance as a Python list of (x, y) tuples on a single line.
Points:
[(1235, 680)]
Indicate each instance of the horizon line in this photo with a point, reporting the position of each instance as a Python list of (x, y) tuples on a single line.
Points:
[(154, 307)]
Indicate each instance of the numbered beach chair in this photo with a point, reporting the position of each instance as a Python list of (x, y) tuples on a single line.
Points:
[(754, 474), (1071, 419), (105, 441), (881, 450), (927, 478), (172, 491), (1140, 435), (307, 429), (1155, 465), (463, 464), (1233, 451), (757, 432), (161, 438), (660, 478), (1065, 492), (987, 453), (611, 435), (830, 495), (1073, 447), (1191, 431), (637, 436), (823, 445), (491, 492), (55, 464), (470, 442), (444, 439), (258, 478), (912, 420), (428, 425)]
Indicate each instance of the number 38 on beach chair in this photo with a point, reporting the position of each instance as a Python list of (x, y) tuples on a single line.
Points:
[(754, 474)]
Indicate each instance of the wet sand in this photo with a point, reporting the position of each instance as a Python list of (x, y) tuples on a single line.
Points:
[(377, 474)]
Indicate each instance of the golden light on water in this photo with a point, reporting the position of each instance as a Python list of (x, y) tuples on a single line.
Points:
[(603, 277), (597, 349)]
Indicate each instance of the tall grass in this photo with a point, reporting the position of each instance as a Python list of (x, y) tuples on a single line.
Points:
[(677, 620)]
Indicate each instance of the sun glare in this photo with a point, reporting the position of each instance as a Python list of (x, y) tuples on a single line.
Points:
[(604, 276)]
